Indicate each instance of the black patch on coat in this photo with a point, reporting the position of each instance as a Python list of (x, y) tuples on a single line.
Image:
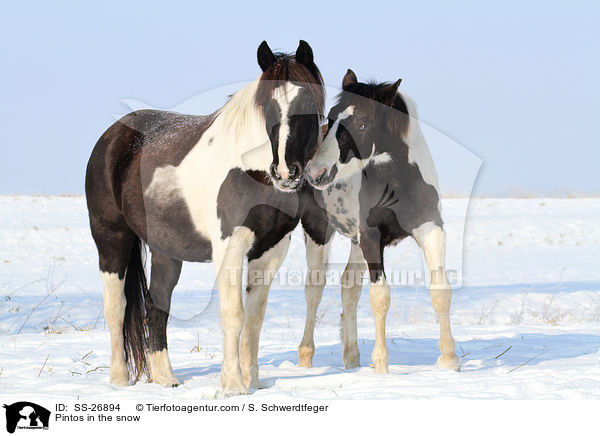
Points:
[(315, 220), (246, 200)]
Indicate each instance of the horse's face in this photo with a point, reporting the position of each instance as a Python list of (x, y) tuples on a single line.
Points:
[(346, 148), (356, 124), (292, 114), (292, 124)]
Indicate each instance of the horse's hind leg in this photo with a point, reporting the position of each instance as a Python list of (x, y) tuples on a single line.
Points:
[(114, 251), (113, 295), (164, 276), (432, 240), (260, 275), (316, 259), (351, 289)]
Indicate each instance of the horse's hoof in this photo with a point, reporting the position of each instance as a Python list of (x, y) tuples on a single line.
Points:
[(305, 363), (119, 377), (305, 356), (232, 392), (449, 362), (351, 359), (252, 382), (255, 385), (381, 367), (119, 381), (167, 381), (163, 376)]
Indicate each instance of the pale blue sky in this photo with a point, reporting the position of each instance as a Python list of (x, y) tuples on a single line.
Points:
[(517, 83)]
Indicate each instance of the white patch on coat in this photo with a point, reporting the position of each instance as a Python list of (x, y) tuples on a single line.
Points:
[(161, 371), (381, 159), (114, 299), (342, 205), (284, 95), (432, 240)]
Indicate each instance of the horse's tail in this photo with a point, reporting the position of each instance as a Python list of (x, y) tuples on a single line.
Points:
[(135, 330)]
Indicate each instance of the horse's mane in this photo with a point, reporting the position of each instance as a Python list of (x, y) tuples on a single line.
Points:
[(396, 116), (243, 109)]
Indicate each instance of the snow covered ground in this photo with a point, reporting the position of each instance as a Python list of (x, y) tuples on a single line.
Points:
[(526, 318)]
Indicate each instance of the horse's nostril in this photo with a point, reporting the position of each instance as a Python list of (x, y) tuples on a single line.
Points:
[(316, 171), (295, 170), (274, 173)]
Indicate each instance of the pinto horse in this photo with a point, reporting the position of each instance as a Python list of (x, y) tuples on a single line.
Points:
[(214, 188), (379, 186)]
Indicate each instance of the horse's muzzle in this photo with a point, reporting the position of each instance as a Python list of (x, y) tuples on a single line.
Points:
[(320, 178), (290, 183)]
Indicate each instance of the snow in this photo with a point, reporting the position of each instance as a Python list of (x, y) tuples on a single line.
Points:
[(526, 318)]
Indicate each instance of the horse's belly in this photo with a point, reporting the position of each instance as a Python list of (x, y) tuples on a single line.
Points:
[(171, 226), (171, 230)]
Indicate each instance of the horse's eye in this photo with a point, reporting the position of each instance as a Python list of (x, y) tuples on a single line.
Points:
[(362, 127)]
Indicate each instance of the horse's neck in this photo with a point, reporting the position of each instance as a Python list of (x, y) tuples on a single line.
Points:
[(248, 149), (240, 129), (418, 151), (405, 150)]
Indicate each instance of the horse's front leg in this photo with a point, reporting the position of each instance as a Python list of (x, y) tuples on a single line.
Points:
[(260, 275), (351, 288), (432, 240), (228, 258), (379, 295), (316, 259)]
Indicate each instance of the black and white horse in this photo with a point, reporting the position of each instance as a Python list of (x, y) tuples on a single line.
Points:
[(379, 186), (214, 188)]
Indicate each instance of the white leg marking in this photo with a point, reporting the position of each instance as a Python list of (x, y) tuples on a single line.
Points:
[(351, 289), (316, 258), (161, 371), (432, 240), (228, 258), (114, 313), (379, 296), (260, 275)]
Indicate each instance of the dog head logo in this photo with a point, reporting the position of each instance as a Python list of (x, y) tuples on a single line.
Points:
[(26, 415)]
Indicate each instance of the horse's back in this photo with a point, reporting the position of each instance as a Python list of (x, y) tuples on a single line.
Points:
[(125, 157), (162, 138)]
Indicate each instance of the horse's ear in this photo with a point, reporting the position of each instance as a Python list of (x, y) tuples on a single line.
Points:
[(349, 79), (304, 54), (389, 92), (265, 56)]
